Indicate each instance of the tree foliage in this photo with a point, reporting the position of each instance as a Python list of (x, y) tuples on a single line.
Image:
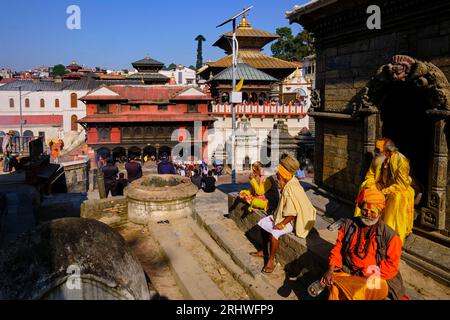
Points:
[(59, 70), (293, 48), (171, 66), (200, 40)]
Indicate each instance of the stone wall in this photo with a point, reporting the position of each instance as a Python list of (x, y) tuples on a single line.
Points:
[(339, 163), (347, 59), (77, 176), (112, 211)]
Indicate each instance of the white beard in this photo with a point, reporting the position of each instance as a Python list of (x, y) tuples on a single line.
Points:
[(368, 222), (379, 159)]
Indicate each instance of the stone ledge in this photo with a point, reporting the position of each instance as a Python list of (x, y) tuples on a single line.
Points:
[(298, 255)]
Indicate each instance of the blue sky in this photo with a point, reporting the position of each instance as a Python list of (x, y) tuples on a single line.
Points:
[(114, 33)]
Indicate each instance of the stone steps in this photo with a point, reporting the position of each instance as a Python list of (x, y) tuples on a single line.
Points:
[(255, 286), (192, 281), (234, 244)]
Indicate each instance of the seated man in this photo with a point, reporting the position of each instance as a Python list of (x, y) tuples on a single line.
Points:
[(294, 212), (365, 259), (389, 173)]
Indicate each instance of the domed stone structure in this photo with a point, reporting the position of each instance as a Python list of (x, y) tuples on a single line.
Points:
[(71, 259)]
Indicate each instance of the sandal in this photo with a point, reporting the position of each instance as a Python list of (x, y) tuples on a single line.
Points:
[(268, 270)]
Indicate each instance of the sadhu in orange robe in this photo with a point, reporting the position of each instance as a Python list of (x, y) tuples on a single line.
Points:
[(356, 257)]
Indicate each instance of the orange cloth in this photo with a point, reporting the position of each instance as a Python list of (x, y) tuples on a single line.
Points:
[(388, 267), (348, 287), (371, 199), (55, 150), (379, 144), (285, 173)]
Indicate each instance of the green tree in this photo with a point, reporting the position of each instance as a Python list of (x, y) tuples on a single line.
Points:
[(171, 66), (191, 67), (200, 40), (58, 70), (293, 48)]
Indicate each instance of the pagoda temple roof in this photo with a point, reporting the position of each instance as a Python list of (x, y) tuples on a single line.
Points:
[(244, 71), (154, 76), (256, 60), (147, 61), (247, 36)]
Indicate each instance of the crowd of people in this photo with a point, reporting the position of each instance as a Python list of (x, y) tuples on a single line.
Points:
[(115, 181), (364, 262)]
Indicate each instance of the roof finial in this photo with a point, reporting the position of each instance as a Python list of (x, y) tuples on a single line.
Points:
[(244, 23)]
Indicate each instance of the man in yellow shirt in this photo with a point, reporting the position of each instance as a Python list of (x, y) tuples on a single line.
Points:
[(389, 173), (295, 211)]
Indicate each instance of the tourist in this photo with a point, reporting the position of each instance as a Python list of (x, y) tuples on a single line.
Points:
[(110, 172), (209, 183), (197, 179), (121, 184), (166, 166), (7, 146), (259, 185), (363, 264), (294, 212), (389, 173), (134, 169)]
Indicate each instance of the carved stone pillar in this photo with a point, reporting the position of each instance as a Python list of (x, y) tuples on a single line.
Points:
[(434, 214)]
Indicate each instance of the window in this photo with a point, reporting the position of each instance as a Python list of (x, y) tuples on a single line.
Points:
[(189, 81), (11, 103), (103, 108), (192, 108), (104, 133), (73, 100), (27, 103), (135, 108), (42, 103), (162, 107), (56, 103), (74, 123)]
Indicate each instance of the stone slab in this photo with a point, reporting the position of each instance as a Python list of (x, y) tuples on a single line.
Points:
[(257, 288), (193, 282)]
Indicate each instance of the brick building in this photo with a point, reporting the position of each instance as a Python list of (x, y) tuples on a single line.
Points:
[(147, 120)]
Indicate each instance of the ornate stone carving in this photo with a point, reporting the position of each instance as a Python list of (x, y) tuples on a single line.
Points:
[(400, 67), (315, 100), (424, 75)]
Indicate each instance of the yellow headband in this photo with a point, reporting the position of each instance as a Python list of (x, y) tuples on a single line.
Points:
[(284, 172)]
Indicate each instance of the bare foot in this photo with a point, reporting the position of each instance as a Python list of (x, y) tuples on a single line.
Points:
[(259, 254), (269, 267)]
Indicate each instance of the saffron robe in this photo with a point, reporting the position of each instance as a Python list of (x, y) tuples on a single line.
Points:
[(399, 211)]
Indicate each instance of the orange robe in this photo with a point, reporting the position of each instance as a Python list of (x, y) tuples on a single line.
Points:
[(352, 287)]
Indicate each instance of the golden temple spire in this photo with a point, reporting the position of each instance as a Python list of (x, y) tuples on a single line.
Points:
[(244, 23)]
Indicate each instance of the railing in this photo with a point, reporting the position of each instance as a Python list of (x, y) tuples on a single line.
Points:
[(256, 109), (21, 145)]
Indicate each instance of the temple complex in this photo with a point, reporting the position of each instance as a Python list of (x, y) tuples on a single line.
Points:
[(389, 82)]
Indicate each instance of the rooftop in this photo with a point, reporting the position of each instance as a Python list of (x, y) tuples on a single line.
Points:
[(246, 72), (147, 61)]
